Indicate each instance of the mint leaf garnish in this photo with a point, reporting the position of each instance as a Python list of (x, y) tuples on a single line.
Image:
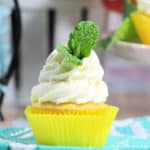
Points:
[(83, 38), (81, 41), (69, 58)]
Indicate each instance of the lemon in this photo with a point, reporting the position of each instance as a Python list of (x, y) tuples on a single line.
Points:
[(142, 25)]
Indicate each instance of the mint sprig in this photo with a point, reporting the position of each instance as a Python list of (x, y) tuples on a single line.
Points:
[(69, 58), (83, 38), (81, 41)]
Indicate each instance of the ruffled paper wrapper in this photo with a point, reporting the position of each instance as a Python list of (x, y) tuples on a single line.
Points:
[(71, 128), (142, 24)]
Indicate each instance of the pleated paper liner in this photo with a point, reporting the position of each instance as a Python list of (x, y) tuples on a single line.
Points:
[(142, 24), (71, 129)]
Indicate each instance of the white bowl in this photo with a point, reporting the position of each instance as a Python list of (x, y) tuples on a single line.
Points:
[(132, 51)]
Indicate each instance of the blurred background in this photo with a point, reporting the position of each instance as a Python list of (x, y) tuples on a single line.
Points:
[(47, 23)]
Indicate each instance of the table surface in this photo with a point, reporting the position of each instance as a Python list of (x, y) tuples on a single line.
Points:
[(125, 134)]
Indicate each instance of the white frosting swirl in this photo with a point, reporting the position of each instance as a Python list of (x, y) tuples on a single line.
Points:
[(61, 83), (144, 5)]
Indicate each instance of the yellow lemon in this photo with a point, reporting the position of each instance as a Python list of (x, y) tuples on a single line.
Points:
[(142, 25)]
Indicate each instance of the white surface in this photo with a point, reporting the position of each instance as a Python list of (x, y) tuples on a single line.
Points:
[(135, 52)]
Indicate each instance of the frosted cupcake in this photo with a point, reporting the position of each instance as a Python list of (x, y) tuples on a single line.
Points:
[(141, 20), (68, 105)]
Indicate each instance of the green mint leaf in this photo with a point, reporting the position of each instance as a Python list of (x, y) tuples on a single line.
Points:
[(69, 58), (83, 38)]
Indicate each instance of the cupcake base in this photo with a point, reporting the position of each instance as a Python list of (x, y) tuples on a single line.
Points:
[(69, 128), (85, 108)]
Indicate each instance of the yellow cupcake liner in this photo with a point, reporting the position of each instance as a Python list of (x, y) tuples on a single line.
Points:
[(142, 25), (69, 129)]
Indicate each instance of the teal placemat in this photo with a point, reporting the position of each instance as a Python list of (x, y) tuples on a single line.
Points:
[(129, 134)]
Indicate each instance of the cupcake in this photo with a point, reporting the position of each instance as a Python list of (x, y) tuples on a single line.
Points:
[(68, 105), (141, 20)]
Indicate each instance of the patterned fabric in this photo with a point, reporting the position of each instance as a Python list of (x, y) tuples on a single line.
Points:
[(5, 55), (129, 134)]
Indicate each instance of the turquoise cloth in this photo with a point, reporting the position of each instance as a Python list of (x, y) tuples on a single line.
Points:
[(4, 146), (129, 134)]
